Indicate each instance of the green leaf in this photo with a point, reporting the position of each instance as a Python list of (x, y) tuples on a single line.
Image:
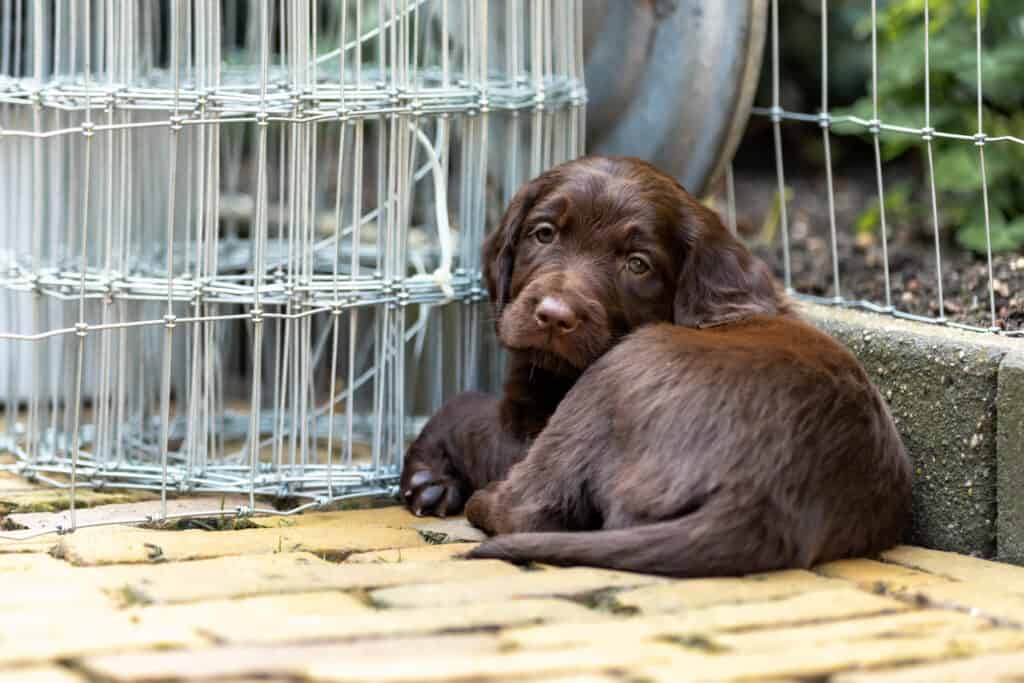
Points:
[(957, 168), (870, 220), (1005, 236)]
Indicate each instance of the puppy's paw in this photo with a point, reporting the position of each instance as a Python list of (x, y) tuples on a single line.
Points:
[(428, 492)]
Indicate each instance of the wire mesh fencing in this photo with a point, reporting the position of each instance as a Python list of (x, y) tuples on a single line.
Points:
[(239, 241), (877, 129)]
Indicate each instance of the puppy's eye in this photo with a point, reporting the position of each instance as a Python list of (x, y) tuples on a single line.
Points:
[(637, 265), (544, 233)]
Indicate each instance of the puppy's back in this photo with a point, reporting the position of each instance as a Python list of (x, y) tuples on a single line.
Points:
[(769, 412)]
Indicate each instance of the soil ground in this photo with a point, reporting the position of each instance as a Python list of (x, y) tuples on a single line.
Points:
[(911, 245)]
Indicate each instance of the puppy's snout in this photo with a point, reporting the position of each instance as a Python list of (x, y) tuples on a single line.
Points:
[(554, 315)]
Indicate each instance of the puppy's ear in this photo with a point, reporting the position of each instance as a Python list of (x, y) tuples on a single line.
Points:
[(720, 279), (499, 247)]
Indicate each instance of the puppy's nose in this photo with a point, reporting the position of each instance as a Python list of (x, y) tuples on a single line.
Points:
[(554, 315)]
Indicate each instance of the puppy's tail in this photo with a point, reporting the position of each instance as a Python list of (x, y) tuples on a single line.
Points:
[(682, 547)]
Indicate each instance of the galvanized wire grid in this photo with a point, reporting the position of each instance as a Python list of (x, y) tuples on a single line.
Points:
[(239, 241), (876, 127)]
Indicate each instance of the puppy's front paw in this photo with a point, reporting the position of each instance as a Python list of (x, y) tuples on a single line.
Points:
[(428, 492)]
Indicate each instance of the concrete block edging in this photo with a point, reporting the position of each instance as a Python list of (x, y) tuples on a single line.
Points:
[(958, 400)]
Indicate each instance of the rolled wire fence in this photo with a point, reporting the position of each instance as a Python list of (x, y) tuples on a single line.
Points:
[(876, 128), (239, 241)]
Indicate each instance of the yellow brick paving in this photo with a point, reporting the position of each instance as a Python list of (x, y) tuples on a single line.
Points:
[(370, 595)]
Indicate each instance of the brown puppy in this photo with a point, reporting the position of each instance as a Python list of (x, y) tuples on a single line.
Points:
[(736, 440), (743, 448), (585, 253)]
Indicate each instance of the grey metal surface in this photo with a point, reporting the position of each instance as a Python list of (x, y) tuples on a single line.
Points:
[(669, 81), (672, 81)]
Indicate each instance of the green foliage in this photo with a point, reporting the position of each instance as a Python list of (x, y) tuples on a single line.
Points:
[(954, 87), (898, 209)]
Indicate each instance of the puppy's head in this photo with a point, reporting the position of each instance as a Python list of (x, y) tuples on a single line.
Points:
[(599, 246)]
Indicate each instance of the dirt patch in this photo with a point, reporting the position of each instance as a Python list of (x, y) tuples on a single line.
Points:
[(226, 522), (8, 524), (911, 248)]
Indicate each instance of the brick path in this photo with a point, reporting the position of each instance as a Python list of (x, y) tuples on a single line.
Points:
[(364, 596)]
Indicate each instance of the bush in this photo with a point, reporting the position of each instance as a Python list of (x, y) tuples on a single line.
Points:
[(954, 109)]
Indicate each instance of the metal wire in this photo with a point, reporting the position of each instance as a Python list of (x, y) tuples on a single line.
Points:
[(245, 258), (876, 128)]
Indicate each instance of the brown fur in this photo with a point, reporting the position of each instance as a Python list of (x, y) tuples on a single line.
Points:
[(678, 420)]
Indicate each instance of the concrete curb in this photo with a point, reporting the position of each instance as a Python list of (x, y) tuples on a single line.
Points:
[(958, 400), (1010, 458)]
